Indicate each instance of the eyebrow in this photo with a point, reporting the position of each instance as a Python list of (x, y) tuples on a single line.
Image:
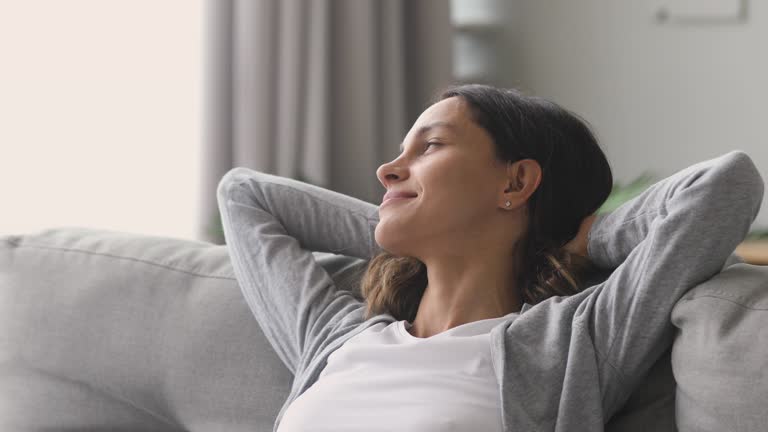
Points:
[(426, 128)]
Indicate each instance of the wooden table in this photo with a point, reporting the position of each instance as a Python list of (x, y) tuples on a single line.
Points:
[(753, 251)]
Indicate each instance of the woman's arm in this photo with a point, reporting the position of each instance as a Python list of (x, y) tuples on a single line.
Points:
[(673, 236), (579, 243), (271, 225)]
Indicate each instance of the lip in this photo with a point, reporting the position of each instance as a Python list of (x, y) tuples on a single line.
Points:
[(394, 199), (398, 194), (388, 200)]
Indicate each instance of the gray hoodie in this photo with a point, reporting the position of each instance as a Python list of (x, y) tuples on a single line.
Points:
[(567, 363)]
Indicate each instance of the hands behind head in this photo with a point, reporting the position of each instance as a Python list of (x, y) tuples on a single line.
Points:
[(578, 245)]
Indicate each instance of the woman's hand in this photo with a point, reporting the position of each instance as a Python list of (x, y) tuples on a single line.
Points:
[(579, 243)]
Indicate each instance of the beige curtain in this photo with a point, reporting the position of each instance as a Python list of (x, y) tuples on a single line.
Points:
[(318, 90)]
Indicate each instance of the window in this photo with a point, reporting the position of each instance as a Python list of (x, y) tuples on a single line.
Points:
[(101, 115)]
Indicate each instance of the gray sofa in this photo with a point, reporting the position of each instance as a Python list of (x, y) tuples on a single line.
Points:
[(106, 330)]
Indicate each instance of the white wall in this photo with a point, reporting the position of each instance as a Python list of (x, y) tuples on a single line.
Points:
[(660, 97), (100, 115)]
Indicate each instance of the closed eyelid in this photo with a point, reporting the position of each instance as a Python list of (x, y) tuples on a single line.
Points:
[(426, 143)]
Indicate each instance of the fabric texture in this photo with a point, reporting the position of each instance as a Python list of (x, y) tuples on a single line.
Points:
[(105, 330), (720, 355), (568, 362)]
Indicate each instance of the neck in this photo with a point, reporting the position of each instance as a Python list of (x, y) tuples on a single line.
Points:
[(462, 290)]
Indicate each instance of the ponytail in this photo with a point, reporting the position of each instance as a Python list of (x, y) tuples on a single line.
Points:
[(554, 272)]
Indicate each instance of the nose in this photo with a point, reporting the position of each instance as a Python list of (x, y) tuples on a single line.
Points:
[(390, 172)]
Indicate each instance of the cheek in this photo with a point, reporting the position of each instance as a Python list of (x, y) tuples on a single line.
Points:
[(453, 185), (459, 199)]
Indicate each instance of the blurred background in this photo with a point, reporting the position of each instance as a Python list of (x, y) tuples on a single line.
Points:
[(124, 115)]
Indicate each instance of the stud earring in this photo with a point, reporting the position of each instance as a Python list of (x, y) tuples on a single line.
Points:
[(507, 203)]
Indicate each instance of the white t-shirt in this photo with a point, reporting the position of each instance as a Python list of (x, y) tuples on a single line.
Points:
[(386, 379)]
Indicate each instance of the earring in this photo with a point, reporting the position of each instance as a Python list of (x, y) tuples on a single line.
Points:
[(507, 203)]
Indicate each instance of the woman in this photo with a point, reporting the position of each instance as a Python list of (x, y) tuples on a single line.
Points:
[(477, 310)]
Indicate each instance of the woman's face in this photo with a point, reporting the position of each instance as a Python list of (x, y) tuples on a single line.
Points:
[(448, 162)]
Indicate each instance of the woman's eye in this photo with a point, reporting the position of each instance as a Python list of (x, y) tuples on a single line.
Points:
[(433, 143)]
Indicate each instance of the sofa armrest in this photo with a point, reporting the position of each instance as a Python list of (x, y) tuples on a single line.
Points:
[(720, 354)]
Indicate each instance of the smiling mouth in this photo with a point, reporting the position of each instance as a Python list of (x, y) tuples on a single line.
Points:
[(388, 200)]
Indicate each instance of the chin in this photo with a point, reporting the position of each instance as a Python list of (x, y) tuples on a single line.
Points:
[(393, 243)]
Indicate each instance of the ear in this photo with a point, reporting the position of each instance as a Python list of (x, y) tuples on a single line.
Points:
[(522, 180)]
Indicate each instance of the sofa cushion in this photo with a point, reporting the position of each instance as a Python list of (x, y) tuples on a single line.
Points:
[(720, 353), (109, 330)]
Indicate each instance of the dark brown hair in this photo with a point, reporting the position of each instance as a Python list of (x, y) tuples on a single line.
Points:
[(576, 181)]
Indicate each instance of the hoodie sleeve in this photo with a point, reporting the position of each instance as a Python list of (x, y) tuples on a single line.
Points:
[(272, 225), (673, 236)]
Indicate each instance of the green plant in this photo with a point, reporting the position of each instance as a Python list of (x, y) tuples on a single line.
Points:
[(215, 228), (623, 193), (757, 234)]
